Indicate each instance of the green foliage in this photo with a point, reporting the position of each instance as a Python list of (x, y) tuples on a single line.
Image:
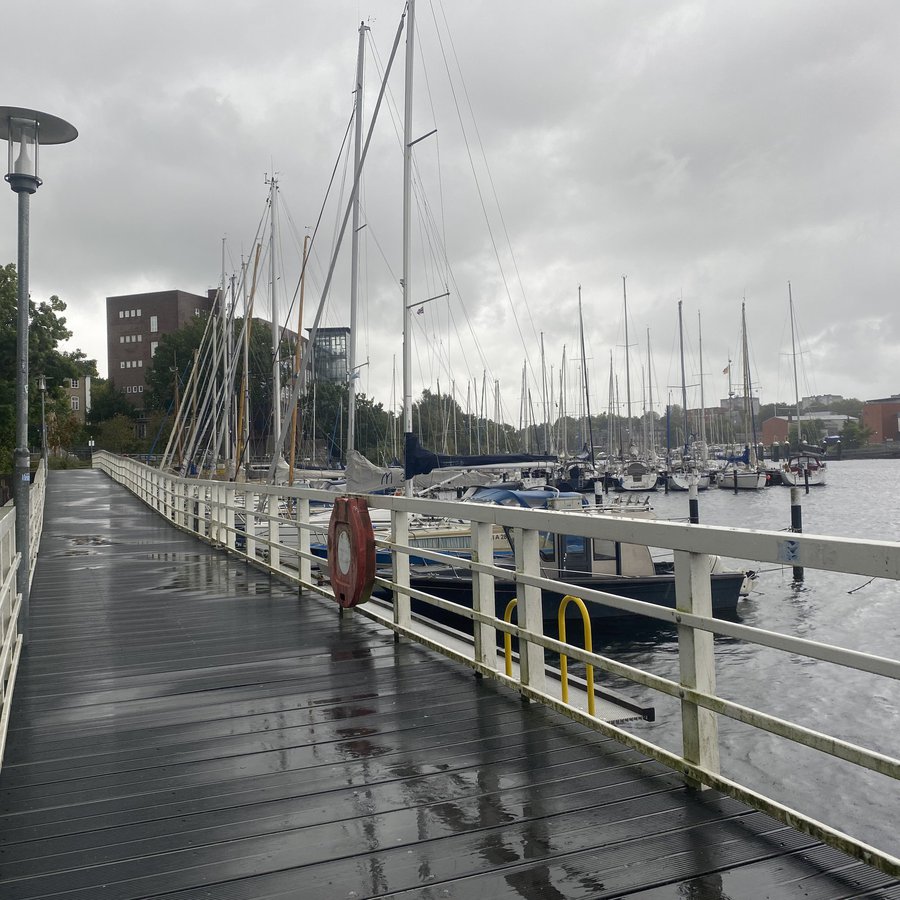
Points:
[(849, 406), (107, 402), (117, 435), (174, 355), (47, 329), (854, 435), (811, 432)]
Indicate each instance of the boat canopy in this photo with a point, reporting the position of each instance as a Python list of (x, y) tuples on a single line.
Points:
[(421, 461), (529, 499)]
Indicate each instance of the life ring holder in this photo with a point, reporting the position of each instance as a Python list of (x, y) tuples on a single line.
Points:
[(351, 552)]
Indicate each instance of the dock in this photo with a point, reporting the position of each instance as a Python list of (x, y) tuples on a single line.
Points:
[(185, 725)]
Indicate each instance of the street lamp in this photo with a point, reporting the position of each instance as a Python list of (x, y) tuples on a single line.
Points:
[(42, 384), (25, 130)]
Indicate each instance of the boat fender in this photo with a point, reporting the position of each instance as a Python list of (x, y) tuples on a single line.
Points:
[(351, 551)]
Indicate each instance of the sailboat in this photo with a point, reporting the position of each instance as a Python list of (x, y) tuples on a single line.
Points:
[(685, 474), (803, 466), (744, 473), (636, 471)]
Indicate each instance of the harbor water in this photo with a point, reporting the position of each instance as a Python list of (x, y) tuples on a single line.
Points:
[(861, 500)]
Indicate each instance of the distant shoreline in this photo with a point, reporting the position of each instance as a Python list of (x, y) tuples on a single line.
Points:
[(875, 451)]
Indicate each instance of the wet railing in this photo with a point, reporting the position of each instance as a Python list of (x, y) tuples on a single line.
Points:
[(11, 637), (276, 527)]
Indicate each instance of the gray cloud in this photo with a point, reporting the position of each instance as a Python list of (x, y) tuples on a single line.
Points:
[(710, 150)]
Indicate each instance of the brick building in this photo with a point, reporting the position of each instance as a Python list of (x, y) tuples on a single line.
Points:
[(134, 325), (78, 391), (777, 428), (881, 417)]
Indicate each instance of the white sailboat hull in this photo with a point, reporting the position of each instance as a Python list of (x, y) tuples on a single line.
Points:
[(682, 481), (792, 478), (750, 480)]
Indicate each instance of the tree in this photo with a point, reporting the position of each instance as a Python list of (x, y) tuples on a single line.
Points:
[(47, 329), (174, 356), (117, 435), (854, 435), (107, 402)]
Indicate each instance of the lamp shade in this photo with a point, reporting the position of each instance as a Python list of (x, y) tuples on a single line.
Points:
[(25, 130)]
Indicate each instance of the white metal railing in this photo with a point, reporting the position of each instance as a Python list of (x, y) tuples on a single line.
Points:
[(10, 599), (270, 525)]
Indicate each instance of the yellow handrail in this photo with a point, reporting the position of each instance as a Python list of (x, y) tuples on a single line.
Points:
[(563, 661), (507, 637)]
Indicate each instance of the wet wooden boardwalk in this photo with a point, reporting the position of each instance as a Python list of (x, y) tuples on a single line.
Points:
[(186, 728)]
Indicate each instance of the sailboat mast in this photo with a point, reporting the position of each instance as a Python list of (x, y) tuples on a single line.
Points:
[(627, 367), (276, 334), (683, 383), (651, 424), (245, 393), (563, 410), (748, 398), (223, 424), (613, 412), (794, 356), (544, 391), (702, 398), (354, 242), (407, 226), (297, 359), (587, 396)]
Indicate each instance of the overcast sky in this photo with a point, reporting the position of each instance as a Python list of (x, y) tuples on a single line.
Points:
[(710, 151)]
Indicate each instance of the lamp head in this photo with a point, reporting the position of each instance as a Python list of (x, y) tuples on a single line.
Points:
[(25, 130)]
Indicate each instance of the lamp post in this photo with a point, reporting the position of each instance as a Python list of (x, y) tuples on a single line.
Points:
[(25, 130), (42, 384)]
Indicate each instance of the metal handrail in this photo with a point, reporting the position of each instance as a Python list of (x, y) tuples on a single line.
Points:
[(11, 632), (507, 638), (212, 511), (588, 645)]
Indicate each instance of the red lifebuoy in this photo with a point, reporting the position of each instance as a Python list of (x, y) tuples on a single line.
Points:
[(351, 551)]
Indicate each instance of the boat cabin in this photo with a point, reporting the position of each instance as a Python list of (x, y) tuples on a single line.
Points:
[(571, 554)]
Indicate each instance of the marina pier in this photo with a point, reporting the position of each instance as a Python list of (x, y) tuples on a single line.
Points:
[(191, 717)]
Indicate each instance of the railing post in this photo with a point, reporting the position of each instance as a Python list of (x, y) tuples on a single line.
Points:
[(197, 510), (178, 503), (483, 594), (274, 532), (400, 532), (304, 566), (530, 610), (230, 494), (250, 500), (696, 656)]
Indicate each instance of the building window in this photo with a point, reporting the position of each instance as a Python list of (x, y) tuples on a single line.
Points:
[(140, 338), (196, 310), (121, 338), (140, 363), (128, 389), (122, 364), (75, 383), (140, 389), (75, 403), (154, 323), (153, 346), (137, 312)]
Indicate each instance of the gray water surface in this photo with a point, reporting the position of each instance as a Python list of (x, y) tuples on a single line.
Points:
[(861, 500)]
